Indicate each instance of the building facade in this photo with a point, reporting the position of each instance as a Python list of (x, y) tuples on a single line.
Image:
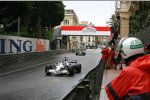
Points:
[(82, 42), (74, 42), (70, 18), (86, 41), (125, 9)]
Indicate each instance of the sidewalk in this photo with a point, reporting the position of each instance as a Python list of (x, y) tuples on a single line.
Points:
[(107, 77)]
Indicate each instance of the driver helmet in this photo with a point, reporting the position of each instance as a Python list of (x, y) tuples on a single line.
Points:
[(130, 46), (65, 59)]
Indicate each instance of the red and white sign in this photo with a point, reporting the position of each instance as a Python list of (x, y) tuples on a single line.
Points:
[(85, 30)]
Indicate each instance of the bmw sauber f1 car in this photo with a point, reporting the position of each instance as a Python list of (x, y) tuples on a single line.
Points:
[(69, 67)]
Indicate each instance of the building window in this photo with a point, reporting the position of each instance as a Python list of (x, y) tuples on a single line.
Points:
[(89, 39), (66, 22), (81, 39), (73, 38), (93, 39)]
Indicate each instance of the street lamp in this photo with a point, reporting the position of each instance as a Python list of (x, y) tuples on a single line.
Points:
[(18, 25)]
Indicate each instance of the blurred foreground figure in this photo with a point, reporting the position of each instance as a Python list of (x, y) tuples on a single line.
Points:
[(134, 81), (110, 58)]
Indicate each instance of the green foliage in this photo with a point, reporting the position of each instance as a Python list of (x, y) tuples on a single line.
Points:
[(114, 23), (35, 17), (48, 35), (24, 32), (2, 31), (141, 19)]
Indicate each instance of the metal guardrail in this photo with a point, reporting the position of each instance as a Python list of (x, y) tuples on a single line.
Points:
[(88, 88), (10, 59)]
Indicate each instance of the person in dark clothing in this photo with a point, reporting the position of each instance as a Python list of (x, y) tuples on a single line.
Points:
[(116, 58), (105, 55), (114, 34), (112, 43)]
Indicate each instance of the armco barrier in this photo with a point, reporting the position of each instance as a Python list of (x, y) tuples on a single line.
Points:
[(88, 88), (10, 59)]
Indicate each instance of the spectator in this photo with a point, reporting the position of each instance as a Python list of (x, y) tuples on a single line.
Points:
[(110, 60), (112, 43), (134, 81), (105, 55), (116, 58), (115, 35)]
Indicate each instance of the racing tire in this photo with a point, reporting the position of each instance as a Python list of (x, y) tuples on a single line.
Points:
[(46, 70), (78, 68), (76, 54), (71, 71), (84, 54)]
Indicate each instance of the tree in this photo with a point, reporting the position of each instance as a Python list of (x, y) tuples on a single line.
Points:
[(37, 17), (9, 12), (141, 19), (43, 16)]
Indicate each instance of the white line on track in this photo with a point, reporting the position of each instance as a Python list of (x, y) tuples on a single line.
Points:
[(26, 67), (30, 66)]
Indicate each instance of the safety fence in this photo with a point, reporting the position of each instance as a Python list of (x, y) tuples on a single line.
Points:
[(10, 59), (89, 87)]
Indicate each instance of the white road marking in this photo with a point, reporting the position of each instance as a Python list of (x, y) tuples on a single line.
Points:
[(30, 66), (27, 67)]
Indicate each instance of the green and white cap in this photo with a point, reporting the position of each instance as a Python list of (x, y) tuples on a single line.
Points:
[(130, 46)]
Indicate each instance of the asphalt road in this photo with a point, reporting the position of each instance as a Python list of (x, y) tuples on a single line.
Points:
[(32, 84)]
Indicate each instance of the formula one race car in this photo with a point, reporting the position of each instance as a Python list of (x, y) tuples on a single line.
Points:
[(67, 66), (80, 52)]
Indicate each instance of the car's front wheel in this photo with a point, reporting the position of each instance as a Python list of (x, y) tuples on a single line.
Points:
[(47, 68), (76, 54), (71, 71), (84, 53), (78, 68)]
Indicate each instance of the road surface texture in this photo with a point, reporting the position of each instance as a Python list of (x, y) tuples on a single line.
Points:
[(30, 83)]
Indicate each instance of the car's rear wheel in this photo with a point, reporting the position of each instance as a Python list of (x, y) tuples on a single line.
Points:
[(76, 54), (84, 53), (78, 68)]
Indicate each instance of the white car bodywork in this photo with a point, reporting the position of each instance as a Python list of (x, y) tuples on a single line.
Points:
[(64, 67), (58, 70)]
